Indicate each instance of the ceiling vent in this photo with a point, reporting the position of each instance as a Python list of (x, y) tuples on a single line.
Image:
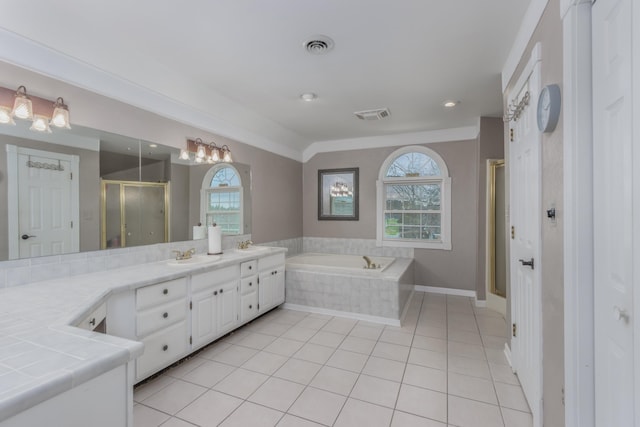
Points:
[(379, 114), (318, 45)]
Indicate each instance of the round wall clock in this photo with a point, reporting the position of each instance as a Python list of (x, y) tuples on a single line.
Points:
[(549, 108)]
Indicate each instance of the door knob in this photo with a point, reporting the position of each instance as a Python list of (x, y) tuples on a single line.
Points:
[(527, 263), (620, 313), (26, 236)]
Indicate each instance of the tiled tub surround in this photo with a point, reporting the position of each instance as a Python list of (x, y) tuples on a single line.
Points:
[(373, 295), (352, 247), (41, 356)]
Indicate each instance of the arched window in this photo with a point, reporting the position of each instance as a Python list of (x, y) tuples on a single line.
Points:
[(414, 200), (222, 199)]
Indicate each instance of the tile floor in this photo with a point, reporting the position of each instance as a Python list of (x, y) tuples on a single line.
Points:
[(444, 367)]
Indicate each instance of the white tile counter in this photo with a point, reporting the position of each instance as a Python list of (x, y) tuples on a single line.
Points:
[(42, 356)]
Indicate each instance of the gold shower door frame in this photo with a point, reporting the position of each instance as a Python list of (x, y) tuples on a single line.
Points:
[(123, 185), (493, 165)]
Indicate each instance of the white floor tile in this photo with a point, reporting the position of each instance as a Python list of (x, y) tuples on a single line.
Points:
[(472, 367), (284, 347), (430, 359), (334, 380), (512, 397), (292, 421), (235, 355), (495, 355), (250, 414), (314, 353), (256, 340), (421, 376), (366, 332), (175, 396), (299, 333), (209, 373), (470, 413), (265, 363), (358, 345), (472, 388), (145, 390), (339, 325), (174, 422), (490, 341), (391, 351), (328, 339), (503, 374), (185, 367), (272, 328), (210, 409), (466, 350), (465, 337), (143, 416), (384, 368), (318, 405), (402, 419), (241, 383), (513, 418), (347, 360), (299, 371), (277, 393), (358, 413), (236, 336), (376, 390), (395, 337), (213, 349), (429, 343), (430, 330), (422, 402), (312, 323)]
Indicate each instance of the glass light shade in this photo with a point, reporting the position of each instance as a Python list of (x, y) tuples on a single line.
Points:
[(40, 124), (226, 156), (184, 154), (22, 106), (201, 153), (199, 159), (215, 156), (60, 116), (5, 116)]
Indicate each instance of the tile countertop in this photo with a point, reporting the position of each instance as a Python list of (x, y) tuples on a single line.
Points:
[(41, 355)]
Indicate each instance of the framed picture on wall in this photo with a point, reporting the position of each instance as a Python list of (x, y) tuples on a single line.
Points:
[(338, 194)]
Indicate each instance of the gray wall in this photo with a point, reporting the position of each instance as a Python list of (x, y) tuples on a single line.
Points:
[(449, 269), (179, 229), (89, 191), (549, 34), (491, 146)]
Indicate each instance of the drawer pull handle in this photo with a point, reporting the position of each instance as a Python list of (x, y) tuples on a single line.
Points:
[(165, 291), (165, 315), (215, 292), (250, 283), (92, 322), (165, 347), (221, 290), (250, 306)]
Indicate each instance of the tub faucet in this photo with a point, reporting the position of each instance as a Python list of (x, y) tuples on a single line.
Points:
[(184, 255), (245, 244), (369, 263)]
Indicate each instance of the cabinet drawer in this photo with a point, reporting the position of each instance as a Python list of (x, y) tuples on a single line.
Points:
[(94, 319), (160, 317), (209, 279), (249, 284), (162, 348), (161, 293), (248, 306), (248, 268), (271, 261)]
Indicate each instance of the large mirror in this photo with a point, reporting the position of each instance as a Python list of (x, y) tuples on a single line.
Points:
[(84, 189)]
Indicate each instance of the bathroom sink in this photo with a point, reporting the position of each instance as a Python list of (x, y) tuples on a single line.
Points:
[(195, 260)]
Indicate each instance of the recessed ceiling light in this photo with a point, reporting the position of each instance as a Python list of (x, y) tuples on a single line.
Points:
[(450, 104), (310, 96)]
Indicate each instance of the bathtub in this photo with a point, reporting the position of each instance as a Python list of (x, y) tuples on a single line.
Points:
[(339, 285), (344, 263)]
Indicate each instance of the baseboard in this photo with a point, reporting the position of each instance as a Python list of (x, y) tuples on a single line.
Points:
[(347, 314), (507, 354), (481, 302), (446, 291)]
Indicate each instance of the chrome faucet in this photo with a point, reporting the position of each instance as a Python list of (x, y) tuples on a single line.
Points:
[(245, 244), (370, 265), (184, 255)]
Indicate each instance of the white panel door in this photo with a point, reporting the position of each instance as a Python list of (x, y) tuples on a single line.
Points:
[(44, 215), (616, 197), (524, 170)]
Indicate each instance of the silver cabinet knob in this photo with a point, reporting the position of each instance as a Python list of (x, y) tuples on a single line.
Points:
[(620, 314)]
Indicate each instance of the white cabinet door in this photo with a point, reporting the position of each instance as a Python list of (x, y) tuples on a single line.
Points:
[(227, 307), (271, 288), (203, 317)]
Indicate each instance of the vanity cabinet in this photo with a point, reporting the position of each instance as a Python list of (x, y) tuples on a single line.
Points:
[(214, 304), (271, 282), (248, 290), (161, 324)]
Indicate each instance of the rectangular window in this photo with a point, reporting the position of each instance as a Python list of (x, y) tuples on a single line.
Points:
[(412, 211), (223, 208)]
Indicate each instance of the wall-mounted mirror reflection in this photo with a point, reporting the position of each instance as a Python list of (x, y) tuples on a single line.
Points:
[(85, 189)]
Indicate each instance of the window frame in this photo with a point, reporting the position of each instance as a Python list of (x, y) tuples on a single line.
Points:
[(206, 189), (445, 200)]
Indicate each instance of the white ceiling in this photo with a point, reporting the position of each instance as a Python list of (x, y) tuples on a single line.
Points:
[(242, 62)]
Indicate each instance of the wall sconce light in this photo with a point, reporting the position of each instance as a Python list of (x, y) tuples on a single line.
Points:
[(22, 105), (42, 112), (206, 152)]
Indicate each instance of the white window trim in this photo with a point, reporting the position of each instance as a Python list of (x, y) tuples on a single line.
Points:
[(445, 208), (206, 187)]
